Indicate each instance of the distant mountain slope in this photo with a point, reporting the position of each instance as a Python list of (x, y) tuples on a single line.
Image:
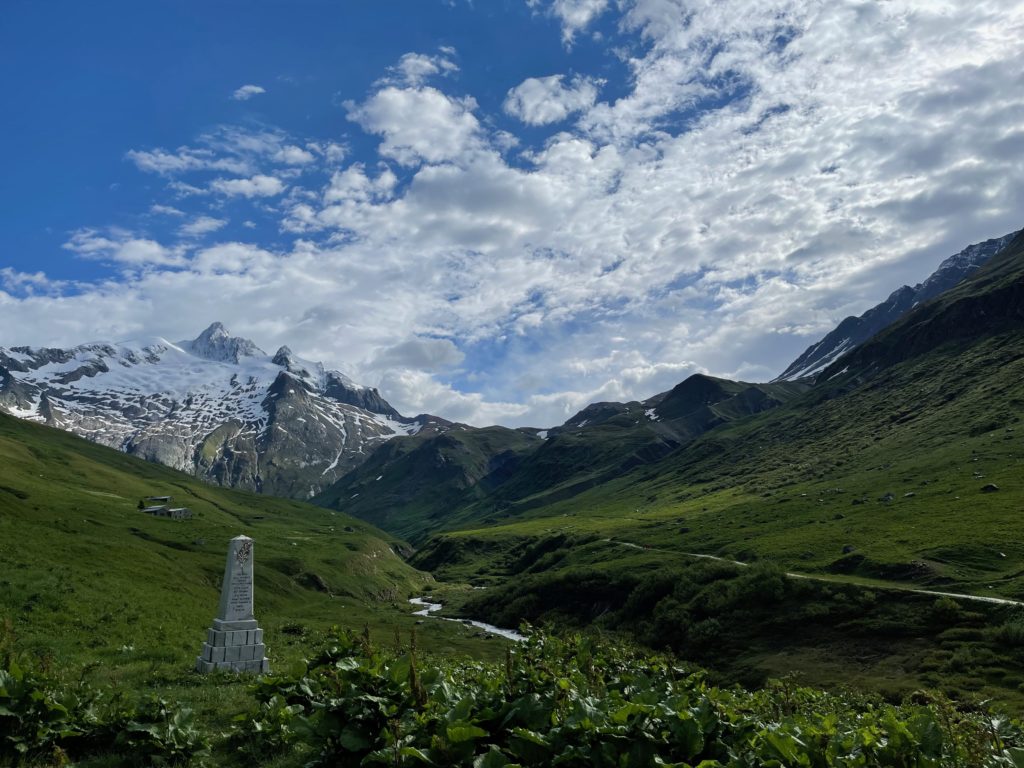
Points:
[(989, 302), (901, 464), (410, 484), (413, 486), (83, 571), (217, 407), (854, 331)]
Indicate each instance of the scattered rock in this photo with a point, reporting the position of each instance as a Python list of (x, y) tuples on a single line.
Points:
[(909, 495), (848, 549), (989, 488), (887, 498)]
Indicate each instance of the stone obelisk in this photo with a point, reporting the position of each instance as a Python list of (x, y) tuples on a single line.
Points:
[(235, 642)]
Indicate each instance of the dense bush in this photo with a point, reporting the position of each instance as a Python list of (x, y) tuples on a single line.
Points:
[(44, 719), (570, 702)]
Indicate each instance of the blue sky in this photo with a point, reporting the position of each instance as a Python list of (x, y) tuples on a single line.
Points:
[(498, 211), (93, 80)]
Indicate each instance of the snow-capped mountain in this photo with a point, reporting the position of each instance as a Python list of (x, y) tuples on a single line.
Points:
[(854, 331), (216, 406)]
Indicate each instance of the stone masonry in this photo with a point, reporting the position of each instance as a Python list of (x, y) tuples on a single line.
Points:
[(235, 641)]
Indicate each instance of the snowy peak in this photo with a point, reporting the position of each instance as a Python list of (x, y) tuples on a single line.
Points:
[(311, 373), (216, 406), (217, 344), (854, 331)]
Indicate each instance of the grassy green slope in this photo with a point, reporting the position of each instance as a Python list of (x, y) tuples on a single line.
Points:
[(878, 471), (410, 485), (808, 485), (877, 477), (471, 477), (85, 577)]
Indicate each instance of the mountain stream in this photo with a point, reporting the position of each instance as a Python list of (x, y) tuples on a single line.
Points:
[(428, 610)]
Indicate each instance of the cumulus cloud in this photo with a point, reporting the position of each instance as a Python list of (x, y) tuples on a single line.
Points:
[(418, 124), (543, 100), (28, 284), (414, 69), (293, 155), (424, 354), (202, 225), (259, 185), (574, 15), (765, 170), (123, 247), (246, 92)]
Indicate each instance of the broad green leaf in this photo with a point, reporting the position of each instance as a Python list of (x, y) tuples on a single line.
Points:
[(460, 732)]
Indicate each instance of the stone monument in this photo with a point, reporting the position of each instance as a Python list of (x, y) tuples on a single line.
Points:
[(235, 642)]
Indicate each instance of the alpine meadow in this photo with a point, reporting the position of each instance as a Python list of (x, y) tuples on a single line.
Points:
[(538, 383)]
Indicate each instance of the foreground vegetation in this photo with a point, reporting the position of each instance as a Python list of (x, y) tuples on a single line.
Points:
[(554, 701)]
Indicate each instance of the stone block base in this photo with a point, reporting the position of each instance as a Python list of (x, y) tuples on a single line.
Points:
[(236, 646), (256, 666)]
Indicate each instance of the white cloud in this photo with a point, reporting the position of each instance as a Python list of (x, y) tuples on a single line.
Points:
[(233, 258), (183, 160), (255, 186), (767, 169), (31, 283), (165, 210), (575, 15), (123, 247), (414, 69), (246, 92), (232, 149), (293, 155), (423, 354), (543, 100), (418, 124), (202, 225)]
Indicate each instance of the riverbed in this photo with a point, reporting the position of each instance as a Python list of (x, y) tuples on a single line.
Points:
[(428, 609)]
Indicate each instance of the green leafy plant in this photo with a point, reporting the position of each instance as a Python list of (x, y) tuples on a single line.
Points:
[(570, 701)]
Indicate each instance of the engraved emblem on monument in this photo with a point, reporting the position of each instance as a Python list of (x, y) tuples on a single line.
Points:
[(235, 642), (242, 555)]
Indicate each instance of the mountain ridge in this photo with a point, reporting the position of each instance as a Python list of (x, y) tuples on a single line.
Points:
[(853, 331), (216, 406), (494, 473)]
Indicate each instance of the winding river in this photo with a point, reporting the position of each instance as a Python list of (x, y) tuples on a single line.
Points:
[(429, 609)]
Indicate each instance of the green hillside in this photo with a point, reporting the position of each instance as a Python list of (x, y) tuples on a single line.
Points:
[(86, 577), (899, 470), (411, 485), (468, 477)]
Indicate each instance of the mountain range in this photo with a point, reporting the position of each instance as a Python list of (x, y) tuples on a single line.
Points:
[(821, 524), (223, 410), (854, 331), (216, 406)]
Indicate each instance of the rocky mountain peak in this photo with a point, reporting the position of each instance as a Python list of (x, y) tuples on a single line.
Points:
[(854, 331), (216, 343), (215, 406), (282, 357)]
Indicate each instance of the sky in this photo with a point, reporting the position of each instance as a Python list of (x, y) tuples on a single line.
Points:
[(498, 211)]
